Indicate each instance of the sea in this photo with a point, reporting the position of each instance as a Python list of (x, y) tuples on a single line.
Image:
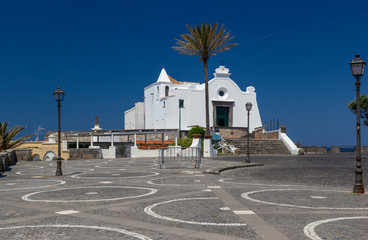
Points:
[(344, 148)]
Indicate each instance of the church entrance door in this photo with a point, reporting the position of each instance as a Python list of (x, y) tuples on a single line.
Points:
[(222, 118), (222, 113)]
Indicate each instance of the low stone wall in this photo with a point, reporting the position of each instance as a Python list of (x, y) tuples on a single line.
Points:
[(314, 149), (4, 162), (364, 149), (335, 149), (274, 135), (85, 153), (23, 155), (232, 132), (11, 157)]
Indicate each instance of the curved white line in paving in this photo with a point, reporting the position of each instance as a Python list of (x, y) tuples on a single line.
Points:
[(79, 177), (52, 171), (149, 211), (125, 165), (122, 231), (26, 188), (309, 229), (174, 185), (152, 191), (224, 180), (246, 196)]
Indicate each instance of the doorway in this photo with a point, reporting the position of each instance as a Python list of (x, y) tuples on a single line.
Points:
[(222, 118), (222, 113)]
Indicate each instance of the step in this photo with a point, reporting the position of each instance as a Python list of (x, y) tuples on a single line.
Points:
[(260, 146)]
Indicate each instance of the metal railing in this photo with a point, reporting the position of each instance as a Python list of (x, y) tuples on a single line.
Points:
[(272, 125), (172, 154)]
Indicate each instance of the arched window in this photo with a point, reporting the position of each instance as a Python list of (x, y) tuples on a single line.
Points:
[(166, 91), (158, 91)]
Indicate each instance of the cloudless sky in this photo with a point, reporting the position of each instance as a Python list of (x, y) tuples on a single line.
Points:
[(103, 53)]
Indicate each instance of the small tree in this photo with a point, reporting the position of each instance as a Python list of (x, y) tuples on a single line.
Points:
[(363, 108), (7, 136), (196, 130)]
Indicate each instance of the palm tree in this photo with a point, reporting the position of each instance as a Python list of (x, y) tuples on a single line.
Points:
[(6, 136), (205, 41)]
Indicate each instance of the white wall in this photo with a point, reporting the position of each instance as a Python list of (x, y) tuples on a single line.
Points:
[(134, 117), (139, 115), (129, 119)]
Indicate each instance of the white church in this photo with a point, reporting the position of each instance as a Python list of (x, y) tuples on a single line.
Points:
[(160, 109)]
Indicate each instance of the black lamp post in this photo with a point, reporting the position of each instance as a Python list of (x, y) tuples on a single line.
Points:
[(59, 96), (181, 105), (357, 68), (248, 106)]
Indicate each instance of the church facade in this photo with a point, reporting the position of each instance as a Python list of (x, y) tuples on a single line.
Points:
[(168, 103)]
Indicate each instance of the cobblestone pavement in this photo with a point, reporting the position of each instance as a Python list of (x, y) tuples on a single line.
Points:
[(305, 197)]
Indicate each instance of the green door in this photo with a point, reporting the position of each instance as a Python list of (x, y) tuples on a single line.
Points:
[(222, 116)]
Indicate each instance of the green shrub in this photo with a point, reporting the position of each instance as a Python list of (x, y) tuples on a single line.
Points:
[(184, 142), (196, 130)]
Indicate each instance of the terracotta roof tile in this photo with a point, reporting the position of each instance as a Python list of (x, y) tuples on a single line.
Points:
[(172, 80)]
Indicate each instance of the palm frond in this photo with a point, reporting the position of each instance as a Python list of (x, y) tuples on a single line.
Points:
[(204, 41), (7, 136)]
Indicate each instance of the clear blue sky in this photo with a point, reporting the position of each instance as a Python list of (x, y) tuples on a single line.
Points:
[(103, 53)]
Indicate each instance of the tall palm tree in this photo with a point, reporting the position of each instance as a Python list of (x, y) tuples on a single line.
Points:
[(205, 41), (7, 136)]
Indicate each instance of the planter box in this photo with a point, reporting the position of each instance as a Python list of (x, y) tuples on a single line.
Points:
[(149, 147)]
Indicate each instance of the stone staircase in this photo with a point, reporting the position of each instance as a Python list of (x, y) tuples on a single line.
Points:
[(260, 146)]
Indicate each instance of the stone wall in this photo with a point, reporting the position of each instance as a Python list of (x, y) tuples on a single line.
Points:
[(364, 149), (11, 157), (314, 149), (85, 153), (274, 135), (4, 162), (240, 132), (335, 149), (232, 132)]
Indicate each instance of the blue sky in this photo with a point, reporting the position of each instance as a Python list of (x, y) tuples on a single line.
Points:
[(103, 53)]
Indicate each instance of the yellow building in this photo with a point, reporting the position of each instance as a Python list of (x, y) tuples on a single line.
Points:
[(43, 150)]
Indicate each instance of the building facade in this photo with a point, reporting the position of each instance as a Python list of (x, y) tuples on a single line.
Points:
[(160, 109)]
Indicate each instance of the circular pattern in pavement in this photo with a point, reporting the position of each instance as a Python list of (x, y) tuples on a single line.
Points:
[(283, 197), (131, 165), (149, 211), (309, 230), (122, 231), (49, 172), (28, 184), (226, 180), (122, 174), (110, 193), (187, 181)]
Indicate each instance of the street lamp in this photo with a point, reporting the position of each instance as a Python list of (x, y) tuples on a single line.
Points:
[(357, 68), (59, 96), (248, 106), (181, 105)]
